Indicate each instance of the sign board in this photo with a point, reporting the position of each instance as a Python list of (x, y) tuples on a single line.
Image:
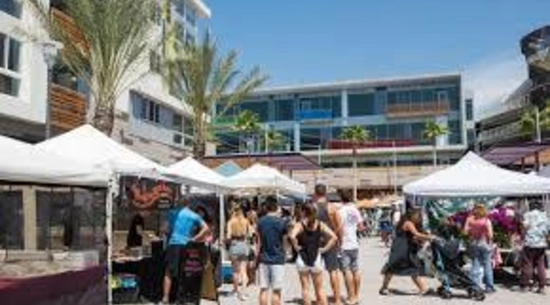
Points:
[(144, 193), (315, 114), (192, 267)]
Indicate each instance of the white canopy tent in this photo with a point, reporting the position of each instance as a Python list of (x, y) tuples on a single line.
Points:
[(207, 179), (473, 176), (21, 162), (88, 145), (264, 178)]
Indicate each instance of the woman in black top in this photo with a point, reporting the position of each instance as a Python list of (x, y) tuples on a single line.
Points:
[(308, 238), (136, 231)]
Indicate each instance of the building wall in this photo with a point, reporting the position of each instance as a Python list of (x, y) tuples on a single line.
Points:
[(394, 112), (27, 102)]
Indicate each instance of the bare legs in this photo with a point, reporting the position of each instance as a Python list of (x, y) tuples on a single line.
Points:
[(318, 285), (418, 281), (240, 276), (353, 283), (167, 285), (304, 281), (335, 283), (263, 296)]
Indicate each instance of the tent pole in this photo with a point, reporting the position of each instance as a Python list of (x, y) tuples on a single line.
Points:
[(109, 233), (222, 224)]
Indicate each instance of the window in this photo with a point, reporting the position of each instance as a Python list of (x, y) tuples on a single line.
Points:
[(9, 65), (153, 115), (284, 110), (442, 96), (361, 104), (469, 110), (455, 132), (11, 7), (259, 108), (177, 122)]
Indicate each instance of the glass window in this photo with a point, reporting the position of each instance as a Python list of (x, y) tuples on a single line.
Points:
[(62, 76), (311, 138), (455, 132), (177, 122), (284, 110), (9, 85), (188, 127), (260, 108), (13, 55), (11, 7), (416, 96), (361, 104), (3, 49), (428, 96), (469, 110)]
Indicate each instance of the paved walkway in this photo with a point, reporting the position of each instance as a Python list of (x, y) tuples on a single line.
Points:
[(373, 256)]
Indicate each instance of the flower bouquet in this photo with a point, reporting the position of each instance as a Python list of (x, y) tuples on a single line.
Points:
[(504, 226)]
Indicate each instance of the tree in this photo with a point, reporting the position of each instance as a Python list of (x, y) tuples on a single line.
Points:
[(528, 121), (206, 77), (356, 135), (273, 140), (432, 131), (104, 46), (248, 127)]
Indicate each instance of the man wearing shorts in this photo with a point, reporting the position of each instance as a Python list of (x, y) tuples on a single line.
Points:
[(351, 222), (271, 232), (328, 214), (182, 223)]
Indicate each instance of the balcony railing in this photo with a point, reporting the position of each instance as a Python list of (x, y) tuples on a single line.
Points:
[(417, 109)]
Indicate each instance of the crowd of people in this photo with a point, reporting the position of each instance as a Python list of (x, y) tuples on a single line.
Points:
[(324, 238)]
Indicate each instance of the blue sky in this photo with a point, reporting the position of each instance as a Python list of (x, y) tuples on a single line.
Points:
[(305, 41)]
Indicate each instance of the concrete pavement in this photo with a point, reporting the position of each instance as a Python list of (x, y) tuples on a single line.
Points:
[(373, 255)]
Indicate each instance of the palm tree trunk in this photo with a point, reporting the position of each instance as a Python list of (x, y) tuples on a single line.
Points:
[(199, 144), (104, 119), (354, 174)]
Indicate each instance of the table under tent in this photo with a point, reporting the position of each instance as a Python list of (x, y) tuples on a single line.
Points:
[(449, 195), (47, 204)]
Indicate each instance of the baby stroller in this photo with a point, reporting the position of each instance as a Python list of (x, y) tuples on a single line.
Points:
[(446, 264)]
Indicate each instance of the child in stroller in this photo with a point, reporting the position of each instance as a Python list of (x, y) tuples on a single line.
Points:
[(447, 264)]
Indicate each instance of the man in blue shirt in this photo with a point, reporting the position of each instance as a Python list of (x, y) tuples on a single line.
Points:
[(271, 232), (182, 224)]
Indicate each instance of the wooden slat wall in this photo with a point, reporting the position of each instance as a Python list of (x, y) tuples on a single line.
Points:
[(68, 108), (421, 109), (68, 25)]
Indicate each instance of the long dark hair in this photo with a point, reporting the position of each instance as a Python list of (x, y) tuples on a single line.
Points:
[(410, 215), (310, 214)]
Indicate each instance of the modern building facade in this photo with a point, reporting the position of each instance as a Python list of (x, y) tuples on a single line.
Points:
[(503, 125), (150, 119), (394, 111)]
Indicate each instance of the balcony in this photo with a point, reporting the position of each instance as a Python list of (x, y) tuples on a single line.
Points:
[(68, 108), (417, 109)]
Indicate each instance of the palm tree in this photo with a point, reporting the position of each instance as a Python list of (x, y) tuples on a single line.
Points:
[(206, 77), (248, 126), (104, 46), (356, 135), (432, 131), (273, 140)]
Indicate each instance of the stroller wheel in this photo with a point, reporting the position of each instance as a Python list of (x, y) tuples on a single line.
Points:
[(479, 296)]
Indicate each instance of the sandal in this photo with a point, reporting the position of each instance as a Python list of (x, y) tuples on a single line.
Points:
[(383, 291), (426, 292)]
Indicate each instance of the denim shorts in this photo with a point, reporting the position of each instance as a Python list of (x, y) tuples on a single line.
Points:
[(271, 276), (349, 260)]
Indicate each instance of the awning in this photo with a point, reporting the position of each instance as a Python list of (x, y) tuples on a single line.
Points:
[(507, 155)]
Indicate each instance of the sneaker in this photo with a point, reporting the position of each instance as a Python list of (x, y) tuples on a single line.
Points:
[(490, 290), (383, 291), (243, 297), (541, 291)]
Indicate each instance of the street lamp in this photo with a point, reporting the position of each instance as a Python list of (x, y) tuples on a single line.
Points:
[(50, 49)]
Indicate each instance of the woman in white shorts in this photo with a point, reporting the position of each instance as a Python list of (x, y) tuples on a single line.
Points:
[(307, 238)]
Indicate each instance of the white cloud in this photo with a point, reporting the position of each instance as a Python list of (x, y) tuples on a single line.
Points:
[(493, 79)]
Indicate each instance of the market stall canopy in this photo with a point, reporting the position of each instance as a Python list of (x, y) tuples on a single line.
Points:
[(263, 178), (89, 145), (473, 176), (23, 163), (206, 178)]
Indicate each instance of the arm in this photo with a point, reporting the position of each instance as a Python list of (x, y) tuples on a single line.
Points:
[(332, 238), (361, 224), (202, 233), (410, 227), (490, 230), (467, 225), (296, 230), (336, 222), (228, 231)]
